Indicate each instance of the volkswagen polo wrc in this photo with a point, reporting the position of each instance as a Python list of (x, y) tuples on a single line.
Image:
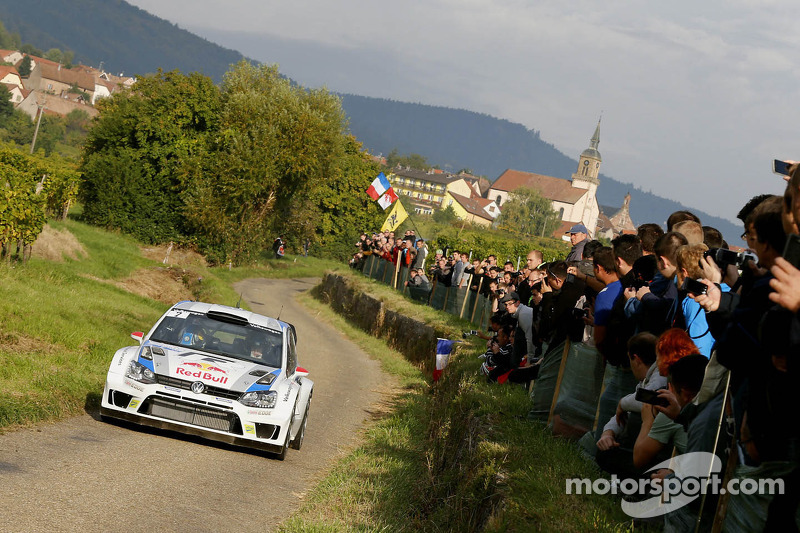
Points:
[(219, 372)]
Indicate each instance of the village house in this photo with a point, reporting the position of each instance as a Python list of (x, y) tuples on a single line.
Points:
[(52, 105), (575, 200), (10, 76), (11, 56), (52, 78), (481, 211), (427, 189), (56, 89)]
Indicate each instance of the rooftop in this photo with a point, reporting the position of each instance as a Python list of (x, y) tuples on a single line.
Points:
[(555, 189)]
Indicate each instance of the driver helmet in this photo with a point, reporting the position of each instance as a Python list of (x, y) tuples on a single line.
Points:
[(192, 333), (257, 349)]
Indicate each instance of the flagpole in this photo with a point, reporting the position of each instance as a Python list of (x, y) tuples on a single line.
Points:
[(419, 233)]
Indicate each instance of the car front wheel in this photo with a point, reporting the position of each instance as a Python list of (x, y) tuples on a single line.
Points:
[(298, 440), (285, 448)]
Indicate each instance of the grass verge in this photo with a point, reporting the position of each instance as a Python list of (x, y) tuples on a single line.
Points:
[(458, 456)]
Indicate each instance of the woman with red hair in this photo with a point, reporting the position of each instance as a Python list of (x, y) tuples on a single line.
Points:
[(659, 433), (672, 345)]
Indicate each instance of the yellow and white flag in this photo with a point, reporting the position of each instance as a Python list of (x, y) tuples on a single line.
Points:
[(396, 217)]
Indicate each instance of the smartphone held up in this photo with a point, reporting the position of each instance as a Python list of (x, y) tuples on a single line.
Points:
[(780, 167)]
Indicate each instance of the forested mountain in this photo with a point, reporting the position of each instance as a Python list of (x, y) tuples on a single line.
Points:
[(131, 40)]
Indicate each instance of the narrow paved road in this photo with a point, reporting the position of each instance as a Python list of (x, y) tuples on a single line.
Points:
[(85, 475)]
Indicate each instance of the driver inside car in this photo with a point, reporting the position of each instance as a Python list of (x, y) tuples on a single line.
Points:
[(257, 350), (193, 334)]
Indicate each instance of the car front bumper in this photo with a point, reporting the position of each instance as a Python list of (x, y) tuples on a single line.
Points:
[(207, 416)]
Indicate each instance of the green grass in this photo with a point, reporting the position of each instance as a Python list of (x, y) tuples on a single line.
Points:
[(291, 266), (456, 457), (60, 330)]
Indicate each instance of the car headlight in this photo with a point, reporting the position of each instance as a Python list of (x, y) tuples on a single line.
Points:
[(138, 372), (261, 398)]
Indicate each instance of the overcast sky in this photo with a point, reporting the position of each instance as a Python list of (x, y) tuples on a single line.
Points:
[(697, 98)]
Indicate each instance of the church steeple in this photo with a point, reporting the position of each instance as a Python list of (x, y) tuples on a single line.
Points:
[(595, 140), (586, 210), (589, 162)]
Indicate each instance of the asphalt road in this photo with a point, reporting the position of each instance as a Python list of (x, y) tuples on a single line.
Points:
[(85, 475)]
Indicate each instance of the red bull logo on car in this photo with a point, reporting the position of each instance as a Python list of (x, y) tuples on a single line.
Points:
[(202, 371), (205, 366)]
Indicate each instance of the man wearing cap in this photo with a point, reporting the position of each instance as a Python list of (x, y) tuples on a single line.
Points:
[(524, 316), (577, 236)]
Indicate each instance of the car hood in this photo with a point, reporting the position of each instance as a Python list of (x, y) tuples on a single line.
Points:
[(214, 370)]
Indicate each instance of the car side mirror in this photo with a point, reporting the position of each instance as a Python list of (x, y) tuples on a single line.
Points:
[(300, 372), (137, 336)]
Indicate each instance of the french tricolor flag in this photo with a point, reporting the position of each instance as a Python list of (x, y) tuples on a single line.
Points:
[(379, 186), (443, 349)]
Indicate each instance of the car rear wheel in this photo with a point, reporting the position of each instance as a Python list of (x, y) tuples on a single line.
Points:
[(301, 433)]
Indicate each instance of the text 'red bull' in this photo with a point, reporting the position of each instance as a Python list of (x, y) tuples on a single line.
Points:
[(206, 376)]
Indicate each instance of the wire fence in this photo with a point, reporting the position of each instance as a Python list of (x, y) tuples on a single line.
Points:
[(464, 303)]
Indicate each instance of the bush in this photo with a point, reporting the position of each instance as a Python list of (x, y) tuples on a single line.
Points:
[(504, 245)]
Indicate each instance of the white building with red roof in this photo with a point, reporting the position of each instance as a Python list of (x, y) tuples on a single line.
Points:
[(473, 209), (575, 199), (10, 76), (11, 56)]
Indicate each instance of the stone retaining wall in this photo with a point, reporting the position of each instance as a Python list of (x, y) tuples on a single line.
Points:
[(414, 339)]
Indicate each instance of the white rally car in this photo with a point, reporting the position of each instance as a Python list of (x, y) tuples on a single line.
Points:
[(219, 372)]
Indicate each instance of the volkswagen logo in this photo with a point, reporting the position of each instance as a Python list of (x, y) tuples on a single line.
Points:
[(198, 387)]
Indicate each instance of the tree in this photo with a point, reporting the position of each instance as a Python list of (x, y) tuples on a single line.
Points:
[(54, 54), (31, 50), (445, 216), (25, 66), (528, 213), (18, 129), (6, 39), (227, 169), (278, 163), (6, 106), (67, 59), (415, 161), (344, 210), (135, 154), (22, 204), (77, 123), (51, 132)]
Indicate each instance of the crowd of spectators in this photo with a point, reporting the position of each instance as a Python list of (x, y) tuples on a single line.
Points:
[(691, 333)]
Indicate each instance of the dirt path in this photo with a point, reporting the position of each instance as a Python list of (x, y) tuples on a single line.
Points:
[(85, 475)]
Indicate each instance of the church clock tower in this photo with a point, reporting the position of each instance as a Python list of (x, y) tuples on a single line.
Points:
[(586, 177)]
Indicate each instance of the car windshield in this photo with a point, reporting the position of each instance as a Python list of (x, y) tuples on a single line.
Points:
[(241, 341)]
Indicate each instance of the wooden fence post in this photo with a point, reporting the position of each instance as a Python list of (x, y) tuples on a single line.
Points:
[(477, 299), (558, 381)]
